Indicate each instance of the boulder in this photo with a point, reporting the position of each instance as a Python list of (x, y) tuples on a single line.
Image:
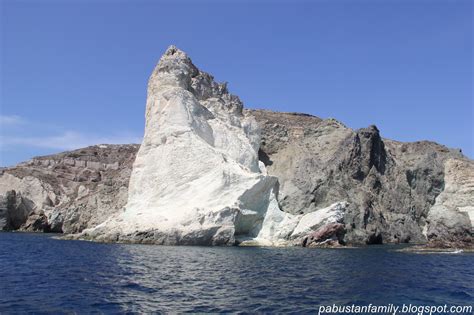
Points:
[(329, 235)]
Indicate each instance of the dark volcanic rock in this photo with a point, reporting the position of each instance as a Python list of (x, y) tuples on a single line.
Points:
[(391, 186), (397, 192)]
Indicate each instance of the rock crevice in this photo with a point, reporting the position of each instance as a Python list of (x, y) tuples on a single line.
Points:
[(210, 172)]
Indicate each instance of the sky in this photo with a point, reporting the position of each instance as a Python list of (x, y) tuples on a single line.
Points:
[(74, 73)]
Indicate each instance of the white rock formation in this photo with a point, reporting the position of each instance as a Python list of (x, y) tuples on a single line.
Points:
[(196, 178), (458, 192), (40, 194), (314, 220), (452, 215)]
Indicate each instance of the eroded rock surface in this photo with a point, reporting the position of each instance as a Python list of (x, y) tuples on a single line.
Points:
[(451, 218), (330, 235), (199, 142), (391, 186), (197, 178), (73, 190)]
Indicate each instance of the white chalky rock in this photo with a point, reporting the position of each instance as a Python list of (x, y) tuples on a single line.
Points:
[(314, 220), (197, 178), (452, 215)]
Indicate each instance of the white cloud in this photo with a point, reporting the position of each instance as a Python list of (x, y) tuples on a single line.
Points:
[(21, 138), (9, 120), (68, 140)]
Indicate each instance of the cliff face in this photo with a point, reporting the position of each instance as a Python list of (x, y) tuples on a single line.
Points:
[(66, 192), (395, 190), (197, 179)]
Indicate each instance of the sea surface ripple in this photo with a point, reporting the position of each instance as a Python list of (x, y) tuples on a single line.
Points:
[(41, 274)]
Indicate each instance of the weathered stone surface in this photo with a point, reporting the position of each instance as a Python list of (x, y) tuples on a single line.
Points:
[(196, 178), (390, 186), (396, 192), (3, 213), (450, 221), (18, 209), (329, 235), (36, 222), (75, 190), (314, 220)]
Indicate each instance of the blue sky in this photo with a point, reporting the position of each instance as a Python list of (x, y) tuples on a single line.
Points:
[(74, 73)]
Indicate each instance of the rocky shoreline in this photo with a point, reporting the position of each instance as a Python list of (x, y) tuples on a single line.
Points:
[(279, 178)]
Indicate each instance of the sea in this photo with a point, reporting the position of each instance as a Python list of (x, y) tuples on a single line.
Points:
[(41, 274)]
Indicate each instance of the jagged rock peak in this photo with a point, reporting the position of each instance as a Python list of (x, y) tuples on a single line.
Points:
[(176, 69), (178, 57), (175, 51), (223, 198)]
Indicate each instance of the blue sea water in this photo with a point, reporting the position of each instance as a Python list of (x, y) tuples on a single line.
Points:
[(41, 274)]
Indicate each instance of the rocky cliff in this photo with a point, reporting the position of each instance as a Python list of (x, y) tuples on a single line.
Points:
[(397, 192), (66, 192), (210, 172), (196, 178)]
